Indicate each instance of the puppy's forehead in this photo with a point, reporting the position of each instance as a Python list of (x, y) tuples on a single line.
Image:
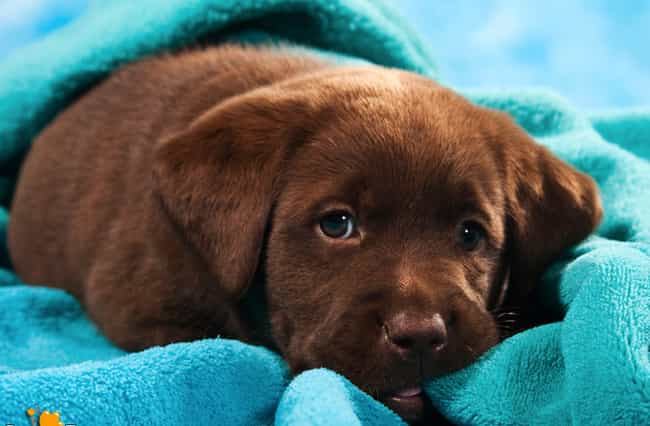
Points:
[(403, 129), (400, 142), (373, 103)]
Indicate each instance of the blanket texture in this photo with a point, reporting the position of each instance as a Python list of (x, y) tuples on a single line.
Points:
[(590, 366)]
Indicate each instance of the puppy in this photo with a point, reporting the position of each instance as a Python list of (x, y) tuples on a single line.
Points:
[(380, 218)]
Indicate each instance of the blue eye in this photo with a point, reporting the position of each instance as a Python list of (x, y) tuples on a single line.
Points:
[(470, 235), (339, 225)]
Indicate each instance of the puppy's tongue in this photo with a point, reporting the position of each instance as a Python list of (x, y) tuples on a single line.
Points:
[(409, 392)]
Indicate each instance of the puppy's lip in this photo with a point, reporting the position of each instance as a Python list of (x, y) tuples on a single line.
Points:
[(409, 392), (408, 402)]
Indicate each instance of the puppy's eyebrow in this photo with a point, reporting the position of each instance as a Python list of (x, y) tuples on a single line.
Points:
[(477, 212)]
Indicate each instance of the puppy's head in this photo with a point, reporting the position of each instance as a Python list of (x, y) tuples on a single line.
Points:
[(394, 217)]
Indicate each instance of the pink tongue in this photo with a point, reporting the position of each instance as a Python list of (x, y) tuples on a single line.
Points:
[(409, 392)]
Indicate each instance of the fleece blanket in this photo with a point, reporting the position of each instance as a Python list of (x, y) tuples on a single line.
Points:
[(589, 366)]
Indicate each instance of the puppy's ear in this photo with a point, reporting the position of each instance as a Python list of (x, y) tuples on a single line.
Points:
[(218, 179), (550, 205)]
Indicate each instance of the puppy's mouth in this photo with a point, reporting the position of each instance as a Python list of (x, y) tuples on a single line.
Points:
[(409, 402)]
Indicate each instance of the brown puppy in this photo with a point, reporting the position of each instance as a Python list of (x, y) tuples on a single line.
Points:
[(382, 217)]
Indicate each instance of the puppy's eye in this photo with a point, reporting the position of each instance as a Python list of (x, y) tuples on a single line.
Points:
[(338, 225), (470, 235)]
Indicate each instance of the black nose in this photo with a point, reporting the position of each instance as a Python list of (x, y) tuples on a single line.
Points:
[(409, 334)]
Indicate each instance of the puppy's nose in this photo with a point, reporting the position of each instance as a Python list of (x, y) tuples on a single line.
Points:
[(409, 334)]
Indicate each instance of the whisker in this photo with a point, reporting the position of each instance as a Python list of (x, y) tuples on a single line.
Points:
[(507, 314)]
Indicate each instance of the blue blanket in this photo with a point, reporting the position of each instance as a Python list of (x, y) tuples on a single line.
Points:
[(590, 367)]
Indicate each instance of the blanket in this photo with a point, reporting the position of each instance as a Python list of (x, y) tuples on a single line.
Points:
[(589, 366)]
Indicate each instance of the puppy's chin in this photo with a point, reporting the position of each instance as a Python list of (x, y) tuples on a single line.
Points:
[(396, 382), (405, 396)]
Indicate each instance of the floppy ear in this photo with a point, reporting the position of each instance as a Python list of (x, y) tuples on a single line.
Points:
[(218, 179), (551, 206)]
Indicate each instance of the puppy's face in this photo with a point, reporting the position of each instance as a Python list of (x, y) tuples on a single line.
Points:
[(385, 244), (393, 215)]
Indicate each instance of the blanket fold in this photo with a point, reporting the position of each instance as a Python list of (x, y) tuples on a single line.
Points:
[(592, 367)]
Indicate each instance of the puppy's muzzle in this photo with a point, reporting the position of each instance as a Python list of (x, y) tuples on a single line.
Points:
[(415, 340)]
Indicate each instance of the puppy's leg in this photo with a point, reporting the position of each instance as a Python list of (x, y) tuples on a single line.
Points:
[(147, 306)]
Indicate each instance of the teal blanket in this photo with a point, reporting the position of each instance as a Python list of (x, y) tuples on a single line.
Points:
[(590, 366)]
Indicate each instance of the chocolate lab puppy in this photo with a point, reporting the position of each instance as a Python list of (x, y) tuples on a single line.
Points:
[(382, 217)]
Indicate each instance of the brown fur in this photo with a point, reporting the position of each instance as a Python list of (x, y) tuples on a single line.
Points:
[(165, 193)]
